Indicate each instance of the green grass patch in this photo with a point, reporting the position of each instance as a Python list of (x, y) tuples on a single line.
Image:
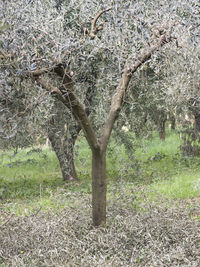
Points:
[(181, 186), (31, 179), (22, 175), (149, 148)]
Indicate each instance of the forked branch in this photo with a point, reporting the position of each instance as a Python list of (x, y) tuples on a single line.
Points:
[(66, 95), (94, 28)]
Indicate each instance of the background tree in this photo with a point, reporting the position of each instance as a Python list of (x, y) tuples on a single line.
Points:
[(183, 91)]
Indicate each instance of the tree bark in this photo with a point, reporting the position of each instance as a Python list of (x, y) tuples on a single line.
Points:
[(197, 122), (62, 133), (99, 187), (63, 145), (173, 123), (162, 129)]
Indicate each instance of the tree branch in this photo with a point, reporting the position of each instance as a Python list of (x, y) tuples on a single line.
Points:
[(69, 99), (5, 55), (94, 28), (164, 39), (122, 87), (54, 68), (42, 71)]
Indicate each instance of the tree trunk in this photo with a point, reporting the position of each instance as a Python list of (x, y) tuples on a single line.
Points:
[(173, 123), (197, 123), (69, 157), (99, 187), (64, 149), (162, 129), (62, 134)]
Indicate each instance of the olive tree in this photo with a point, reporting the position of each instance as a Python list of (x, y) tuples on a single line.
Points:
[(184, 94), (182, 91), (55, 48)]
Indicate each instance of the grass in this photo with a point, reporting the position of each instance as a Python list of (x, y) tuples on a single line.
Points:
[(31, 179), (170, 174), (21, 175), (181, 186)]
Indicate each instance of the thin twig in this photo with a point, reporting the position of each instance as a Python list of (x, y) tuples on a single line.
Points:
[(1, 226)]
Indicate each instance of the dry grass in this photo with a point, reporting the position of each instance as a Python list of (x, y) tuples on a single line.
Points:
[(155, 234)]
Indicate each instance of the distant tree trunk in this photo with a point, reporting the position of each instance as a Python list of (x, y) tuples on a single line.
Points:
[(162, 129), (194, 107), (64, 149), (173, 123), (197, 122), (62, 134), (191, 136)]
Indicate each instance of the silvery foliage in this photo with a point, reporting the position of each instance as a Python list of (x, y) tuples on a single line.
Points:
[(41, 34), (176, 67), (182, 65)]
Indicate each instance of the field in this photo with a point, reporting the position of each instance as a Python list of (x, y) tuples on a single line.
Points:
[(153, 208)]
